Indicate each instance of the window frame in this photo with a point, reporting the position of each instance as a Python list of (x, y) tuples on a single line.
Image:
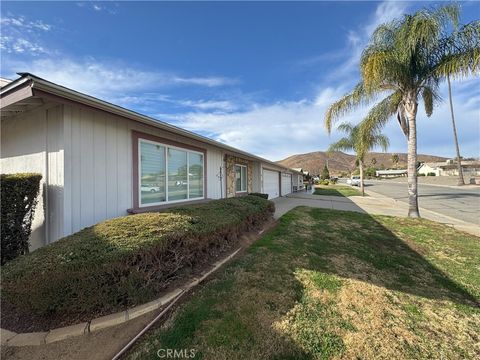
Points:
[(167, 145), (246, 178)]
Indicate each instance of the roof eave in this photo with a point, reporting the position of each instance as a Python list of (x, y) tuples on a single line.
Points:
[(64, 92)]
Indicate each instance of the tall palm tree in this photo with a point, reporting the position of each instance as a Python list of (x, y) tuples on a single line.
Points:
[(353, 141), (460, 181), (405, 60)]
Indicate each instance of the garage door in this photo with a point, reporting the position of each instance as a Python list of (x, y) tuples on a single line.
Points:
[(286, 184), (271, 184)]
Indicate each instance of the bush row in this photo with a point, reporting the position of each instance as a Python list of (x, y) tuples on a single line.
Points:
[(127, 260), (19, 198)]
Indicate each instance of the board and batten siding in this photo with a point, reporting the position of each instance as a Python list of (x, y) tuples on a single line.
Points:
[(33, 142), (99, 166)]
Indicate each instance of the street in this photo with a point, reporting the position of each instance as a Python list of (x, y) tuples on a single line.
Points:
[(461, 203)]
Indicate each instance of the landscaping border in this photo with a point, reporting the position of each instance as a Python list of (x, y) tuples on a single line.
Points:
[(10, 338)]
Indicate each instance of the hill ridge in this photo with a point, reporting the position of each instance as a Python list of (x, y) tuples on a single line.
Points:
[(339, 161)]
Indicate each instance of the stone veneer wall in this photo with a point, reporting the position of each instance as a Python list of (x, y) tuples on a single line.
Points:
[(231, 161)]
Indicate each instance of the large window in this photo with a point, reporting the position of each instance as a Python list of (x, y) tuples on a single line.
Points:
[(240, 178), (169, 174)]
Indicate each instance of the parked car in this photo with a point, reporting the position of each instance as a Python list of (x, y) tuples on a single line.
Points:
[(181, 183), (150, 188), (354, 181)]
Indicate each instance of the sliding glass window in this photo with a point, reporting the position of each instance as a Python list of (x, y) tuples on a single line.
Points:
[(169, 174), (152, 173)]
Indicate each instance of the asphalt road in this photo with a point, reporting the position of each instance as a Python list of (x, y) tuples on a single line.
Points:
[(461, 203)]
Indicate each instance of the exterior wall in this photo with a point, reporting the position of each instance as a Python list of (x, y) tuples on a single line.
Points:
[(230, 163), (425, 169), (99, 165), (257, 178), (33, 142)]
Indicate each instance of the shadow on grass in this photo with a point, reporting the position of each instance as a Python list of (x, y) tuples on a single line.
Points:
[(266, 303)]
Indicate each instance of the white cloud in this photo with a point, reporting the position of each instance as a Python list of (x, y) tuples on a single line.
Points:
[(205, 81), (20, 35), (273, 131), (106, 78), (22, 23)]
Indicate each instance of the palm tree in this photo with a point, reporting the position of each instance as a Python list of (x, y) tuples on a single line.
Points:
[(405, 60), (354, 142), (460, 181), (395, 160)]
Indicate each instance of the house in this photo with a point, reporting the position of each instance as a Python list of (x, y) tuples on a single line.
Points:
[(470, 168), (297, 179), (390, 173), (100, 161)]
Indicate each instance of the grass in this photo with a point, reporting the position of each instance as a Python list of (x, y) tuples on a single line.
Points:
[(336, 190), (330, 284)]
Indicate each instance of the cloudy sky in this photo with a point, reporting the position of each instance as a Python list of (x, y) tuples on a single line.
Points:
[(257, 76)]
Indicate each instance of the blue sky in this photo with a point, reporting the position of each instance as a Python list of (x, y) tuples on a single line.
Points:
[(258, 76)]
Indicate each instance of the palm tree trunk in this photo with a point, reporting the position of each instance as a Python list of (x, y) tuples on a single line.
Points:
[(460, 181), (411, 107), (360, 166)]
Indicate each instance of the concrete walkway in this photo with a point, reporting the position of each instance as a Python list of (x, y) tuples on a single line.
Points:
[(372, 204)]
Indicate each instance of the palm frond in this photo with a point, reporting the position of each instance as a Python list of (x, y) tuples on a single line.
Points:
[(347, 103), (378, 116), (427, 96), (381, 141), (459, 54), (344, 144), (346, 128)]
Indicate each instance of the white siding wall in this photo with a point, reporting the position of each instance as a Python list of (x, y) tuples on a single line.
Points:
[(98, 171), (33, 142)]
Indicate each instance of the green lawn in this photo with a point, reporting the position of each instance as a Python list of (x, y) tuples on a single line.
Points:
[(331, 284), (336, 190)]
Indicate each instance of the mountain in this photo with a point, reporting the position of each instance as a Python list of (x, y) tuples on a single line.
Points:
[(340, 162)]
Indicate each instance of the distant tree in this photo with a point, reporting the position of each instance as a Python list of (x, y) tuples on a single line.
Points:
[(370, 172), (373, 161), (359, 143), (395, 160), (325, 173)]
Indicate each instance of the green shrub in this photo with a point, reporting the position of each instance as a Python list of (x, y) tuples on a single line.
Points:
[(333, 181), (324, 182), (128, 260), (19, 198), (431, 174), (422, 174), (264, 196)]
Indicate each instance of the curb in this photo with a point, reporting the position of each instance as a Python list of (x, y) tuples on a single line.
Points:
[(10, 338)]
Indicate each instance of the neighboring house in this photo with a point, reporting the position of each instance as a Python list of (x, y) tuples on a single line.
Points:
[(100, 161), (450, 168), (390, 173)]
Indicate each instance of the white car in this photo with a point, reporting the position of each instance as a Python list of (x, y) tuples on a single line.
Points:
[(354, 181), (152, 189)]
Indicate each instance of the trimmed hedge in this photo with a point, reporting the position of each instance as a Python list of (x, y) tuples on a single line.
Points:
[(19, 198), (128, 260), (264, 196)]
